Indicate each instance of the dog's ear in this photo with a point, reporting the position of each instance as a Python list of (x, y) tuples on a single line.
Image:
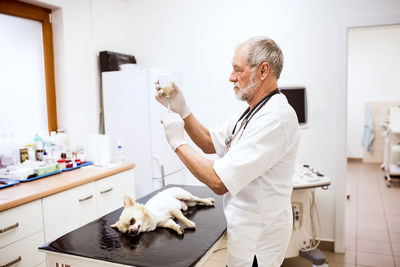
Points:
[(114, 226), (128, 201)]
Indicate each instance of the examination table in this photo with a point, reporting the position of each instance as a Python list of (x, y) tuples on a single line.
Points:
[(97, 244)]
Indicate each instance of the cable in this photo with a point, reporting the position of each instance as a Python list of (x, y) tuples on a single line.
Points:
[(314, 242)]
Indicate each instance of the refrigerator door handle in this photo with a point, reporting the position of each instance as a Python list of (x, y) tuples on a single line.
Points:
[(157, 158)]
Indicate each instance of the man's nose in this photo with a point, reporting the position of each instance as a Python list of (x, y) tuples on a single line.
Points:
[(233, 78)]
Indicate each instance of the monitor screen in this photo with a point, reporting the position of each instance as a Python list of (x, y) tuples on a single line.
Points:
[(297, 98)]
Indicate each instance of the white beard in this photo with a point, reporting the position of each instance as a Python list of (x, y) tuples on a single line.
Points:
[(244, 94)]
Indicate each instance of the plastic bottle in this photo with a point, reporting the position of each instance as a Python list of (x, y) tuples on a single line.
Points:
[(63, 140), (120, 154), (31, 153), (38, 142)]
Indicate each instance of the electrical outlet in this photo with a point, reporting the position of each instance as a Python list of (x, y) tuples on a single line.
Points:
[(296, 209)]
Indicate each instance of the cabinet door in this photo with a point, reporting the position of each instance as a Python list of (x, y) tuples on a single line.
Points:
[(19, 222), (23, 253), (68, 210), (110, 191)]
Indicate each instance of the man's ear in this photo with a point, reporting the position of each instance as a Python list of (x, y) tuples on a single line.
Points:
[(128, 201), (264, 70)]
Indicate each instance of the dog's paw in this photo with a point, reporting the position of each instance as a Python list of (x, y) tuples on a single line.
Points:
[(191, 224), (209, 201), (180, 230)]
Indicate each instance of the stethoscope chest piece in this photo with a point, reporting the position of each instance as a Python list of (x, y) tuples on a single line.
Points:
[(228, 141)]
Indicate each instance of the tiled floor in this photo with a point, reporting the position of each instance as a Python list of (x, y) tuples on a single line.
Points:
[(372, 216), (372, 223)]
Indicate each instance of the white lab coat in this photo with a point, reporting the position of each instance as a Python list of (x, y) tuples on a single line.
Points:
[(257, 171)]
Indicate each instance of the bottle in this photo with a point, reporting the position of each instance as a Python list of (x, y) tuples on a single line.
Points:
[(81, 154), (31, 153), (120, 155), (63, 140), (38, 142)]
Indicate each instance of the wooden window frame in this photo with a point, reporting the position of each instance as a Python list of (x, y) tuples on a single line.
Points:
[(24, 10)]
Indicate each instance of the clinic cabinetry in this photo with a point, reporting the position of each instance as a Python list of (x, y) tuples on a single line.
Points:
[(73, 208), (21, 232), (36, 212)]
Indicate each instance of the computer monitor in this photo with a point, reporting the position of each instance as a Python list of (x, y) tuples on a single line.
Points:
[(297, 98)]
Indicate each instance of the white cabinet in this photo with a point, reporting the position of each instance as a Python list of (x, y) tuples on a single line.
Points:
[(23, 253), (21, 233), (68, 210), (26, 227), (110, 191)]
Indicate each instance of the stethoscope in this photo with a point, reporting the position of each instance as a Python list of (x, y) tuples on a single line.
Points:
[(247, 115)]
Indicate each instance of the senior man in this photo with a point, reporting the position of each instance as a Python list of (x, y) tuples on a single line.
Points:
[(257, 153)]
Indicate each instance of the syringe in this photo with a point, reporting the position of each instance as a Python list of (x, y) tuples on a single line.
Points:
[(166, 86)]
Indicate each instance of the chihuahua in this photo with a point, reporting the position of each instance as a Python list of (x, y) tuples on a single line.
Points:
[(160, 211)]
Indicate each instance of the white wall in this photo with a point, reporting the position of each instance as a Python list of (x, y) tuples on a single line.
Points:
[(198, 38), (373, 75)]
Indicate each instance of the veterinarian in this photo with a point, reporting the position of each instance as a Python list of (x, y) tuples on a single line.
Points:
[(257, 153)]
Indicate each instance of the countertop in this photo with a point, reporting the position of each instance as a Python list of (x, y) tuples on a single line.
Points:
[(22, 193)]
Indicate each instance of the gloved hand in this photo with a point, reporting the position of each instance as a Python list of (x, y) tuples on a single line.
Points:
[(176, 100), (174, 129)]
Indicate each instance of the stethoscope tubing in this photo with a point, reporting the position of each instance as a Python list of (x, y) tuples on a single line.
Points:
[(247, 115)]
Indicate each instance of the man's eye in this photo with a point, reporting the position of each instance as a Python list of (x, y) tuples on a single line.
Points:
[(132, 221)]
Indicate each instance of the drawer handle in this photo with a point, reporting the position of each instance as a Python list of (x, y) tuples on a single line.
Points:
[(85, 198), (12, 262), (9, 228), (106, 191)]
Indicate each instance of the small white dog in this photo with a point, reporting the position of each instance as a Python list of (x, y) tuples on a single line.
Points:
[(160, 211)]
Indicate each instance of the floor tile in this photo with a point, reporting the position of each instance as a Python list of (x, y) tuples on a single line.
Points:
[(397, 260), (351, 234), (374, 209), (371, 217), (374, 247), (351, 227), (372, 259), (393, 227), (351, 244), (392, 218), (336, 264), (370, 235), (381, 226), (394, 237), (396, 249)]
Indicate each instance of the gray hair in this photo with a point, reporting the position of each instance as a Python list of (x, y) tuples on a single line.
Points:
[(263, 49)]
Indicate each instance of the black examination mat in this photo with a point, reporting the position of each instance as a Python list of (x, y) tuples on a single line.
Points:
[(162, 247)]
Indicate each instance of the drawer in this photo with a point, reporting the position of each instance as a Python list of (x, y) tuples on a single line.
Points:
[(20, 222), (110, 191), (68, 210), (26, 250)]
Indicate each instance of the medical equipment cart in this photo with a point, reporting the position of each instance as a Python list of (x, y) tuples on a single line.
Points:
[(391, 159)]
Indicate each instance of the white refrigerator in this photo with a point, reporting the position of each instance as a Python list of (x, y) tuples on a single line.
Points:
[(132, 115)]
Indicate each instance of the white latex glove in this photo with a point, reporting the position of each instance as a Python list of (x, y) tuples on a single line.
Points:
[(176, 100), (174, 129)]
